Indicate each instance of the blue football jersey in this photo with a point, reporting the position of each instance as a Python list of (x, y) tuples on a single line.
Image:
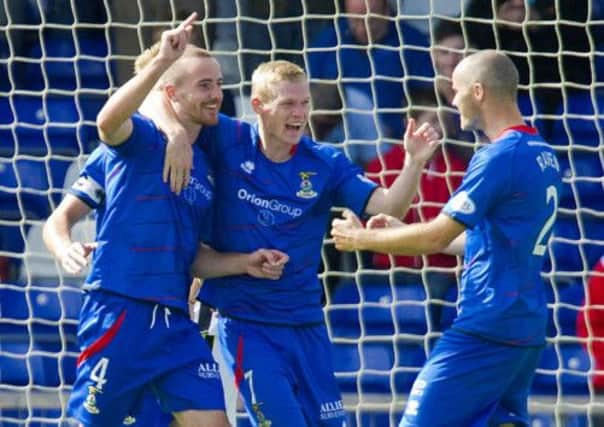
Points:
[(507, 201), (284, 206), (147, 236)]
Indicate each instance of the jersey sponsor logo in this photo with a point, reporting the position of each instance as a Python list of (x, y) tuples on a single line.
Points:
[(306, 190), (196, 189), (272, 205), (208, 370), (333, 409), (463, 203), (248, 166)]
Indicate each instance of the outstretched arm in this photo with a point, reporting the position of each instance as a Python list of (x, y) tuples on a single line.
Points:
[(57, 235), (420, 144), (415, 239), (263, 263), (113, 121)]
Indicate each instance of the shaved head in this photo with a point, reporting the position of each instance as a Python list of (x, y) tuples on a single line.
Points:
[(494, 70)]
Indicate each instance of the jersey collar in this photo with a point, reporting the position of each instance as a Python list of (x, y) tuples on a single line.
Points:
[(519, 128)]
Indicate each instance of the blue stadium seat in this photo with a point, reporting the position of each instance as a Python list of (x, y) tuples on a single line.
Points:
[(64, 60), (578, 127), (571, 299), (411, 306), (565, 256), (48, 125), (376, 312), (7, 118), (568, 376), (582, 172), (37, 184), (373, 364)]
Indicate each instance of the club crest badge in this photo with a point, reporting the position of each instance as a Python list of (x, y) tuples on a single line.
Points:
[(306, 191), (90, 403)]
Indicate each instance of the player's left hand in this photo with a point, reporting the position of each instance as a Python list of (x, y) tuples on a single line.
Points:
[(266, 263), (420, 142), (178, 162), (345, 231)]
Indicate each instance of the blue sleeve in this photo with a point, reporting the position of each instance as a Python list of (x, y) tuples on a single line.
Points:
[(145, 136), (484, 184), (90, 185), (352, 188)]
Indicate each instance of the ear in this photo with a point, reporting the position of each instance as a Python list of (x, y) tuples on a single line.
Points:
[(256, 105), (170, 91), (478, 91)]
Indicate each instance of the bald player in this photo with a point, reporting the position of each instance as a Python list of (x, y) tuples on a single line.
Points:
[(481, 370)]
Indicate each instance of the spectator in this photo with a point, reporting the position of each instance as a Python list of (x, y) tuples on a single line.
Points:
[(447, 51), (590, 326), (362, 52), (590, 323), (442, 175)]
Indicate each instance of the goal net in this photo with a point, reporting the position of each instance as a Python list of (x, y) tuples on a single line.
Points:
[(59, 61)]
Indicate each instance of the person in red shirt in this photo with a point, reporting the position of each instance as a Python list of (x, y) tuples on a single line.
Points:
[(442, 175), (590, 322)]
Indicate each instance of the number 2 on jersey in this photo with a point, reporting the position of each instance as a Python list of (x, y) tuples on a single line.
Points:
[(551, 198)]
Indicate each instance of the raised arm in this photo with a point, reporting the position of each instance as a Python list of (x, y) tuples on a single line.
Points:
[(113, 122), (57, 234), (420, 144)]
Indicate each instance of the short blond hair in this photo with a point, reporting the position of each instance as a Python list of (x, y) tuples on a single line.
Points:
[(268, 73), (172, 74)]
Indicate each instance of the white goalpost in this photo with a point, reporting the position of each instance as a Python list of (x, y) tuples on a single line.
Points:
[(61, 59)]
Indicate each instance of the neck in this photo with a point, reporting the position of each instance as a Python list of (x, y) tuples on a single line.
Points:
[(500, 117), (273, 149), (193, 131)]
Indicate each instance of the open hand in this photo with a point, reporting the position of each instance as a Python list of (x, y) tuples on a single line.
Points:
[(420, 142), (345, 231)]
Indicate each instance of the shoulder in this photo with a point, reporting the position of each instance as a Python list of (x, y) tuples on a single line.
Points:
[(326, 153)]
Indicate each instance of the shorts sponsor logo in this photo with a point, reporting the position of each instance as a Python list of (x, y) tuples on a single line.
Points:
[(334, 409), (208, 370), (413, 404), (463, 203), (271, 205)]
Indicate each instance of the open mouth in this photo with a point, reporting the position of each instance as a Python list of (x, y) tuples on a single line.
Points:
[(295, 128)]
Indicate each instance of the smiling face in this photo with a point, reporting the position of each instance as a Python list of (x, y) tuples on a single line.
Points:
[(197, 95), (284, 117)]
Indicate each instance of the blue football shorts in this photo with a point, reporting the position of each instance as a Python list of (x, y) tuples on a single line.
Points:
[(284, 374), (129, 347), (471, 382)]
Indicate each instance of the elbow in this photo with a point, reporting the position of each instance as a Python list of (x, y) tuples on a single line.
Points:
[(103, 126)]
